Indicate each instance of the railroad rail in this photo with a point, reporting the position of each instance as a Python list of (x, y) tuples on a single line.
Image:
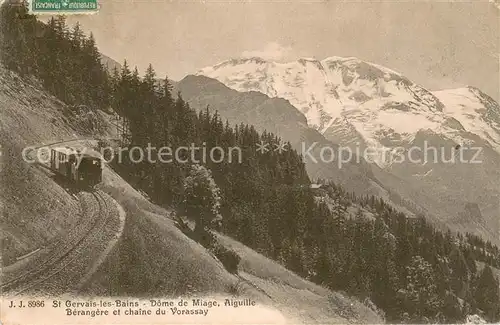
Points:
[(62, 254)]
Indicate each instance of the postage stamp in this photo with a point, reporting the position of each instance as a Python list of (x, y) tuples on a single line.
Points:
[(63, 6)]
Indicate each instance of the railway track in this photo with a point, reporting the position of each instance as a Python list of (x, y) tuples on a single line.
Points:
[(63, 255)]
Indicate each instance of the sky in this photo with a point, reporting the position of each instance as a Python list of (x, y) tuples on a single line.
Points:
[(436, 44)]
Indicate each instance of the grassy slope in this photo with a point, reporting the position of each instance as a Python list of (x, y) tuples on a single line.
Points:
[(295, 295), (153, 257)]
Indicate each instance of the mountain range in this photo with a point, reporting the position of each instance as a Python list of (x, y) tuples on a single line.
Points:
[(429, 152)]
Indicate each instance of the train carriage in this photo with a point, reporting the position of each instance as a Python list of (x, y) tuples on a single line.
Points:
[(83, 169)]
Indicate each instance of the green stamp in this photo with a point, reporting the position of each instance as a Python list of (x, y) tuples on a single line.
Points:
[(63, 6)]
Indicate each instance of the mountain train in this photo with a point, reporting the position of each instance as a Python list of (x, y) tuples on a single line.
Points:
[(81, 169)]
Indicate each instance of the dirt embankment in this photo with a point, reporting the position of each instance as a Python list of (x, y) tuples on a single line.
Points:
[(35, 209)]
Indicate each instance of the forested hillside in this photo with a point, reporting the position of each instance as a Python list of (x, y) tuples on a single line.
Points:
[(408, 269)]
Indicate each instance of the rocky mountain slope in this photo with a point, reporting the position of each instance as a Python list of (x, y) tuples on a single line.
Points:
[(347, 96), (280, 117), (110, 64), (437, 150)]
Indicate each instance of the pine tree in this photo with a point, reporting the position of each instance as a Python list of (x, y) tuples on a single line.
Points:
[(460, 273), (487, 296), (421, 294)]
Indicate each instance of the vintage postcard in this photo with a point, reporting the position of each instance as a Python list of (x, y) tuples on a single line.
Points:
[(249, 162)]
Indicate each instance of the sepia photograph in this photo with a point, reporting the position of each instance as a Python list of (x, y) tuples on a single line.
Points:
[(249, 162)]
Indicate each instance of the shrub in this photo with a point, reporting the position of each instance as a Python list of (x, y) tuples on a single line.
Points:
[(234, 289), (205, 238), (184, 227), (201, 197), (229, 258)]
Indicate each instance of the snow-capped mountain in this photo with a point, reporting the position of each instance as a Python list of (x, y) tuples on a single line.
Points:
[(475, 111), (353, 101), (362, 105)]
